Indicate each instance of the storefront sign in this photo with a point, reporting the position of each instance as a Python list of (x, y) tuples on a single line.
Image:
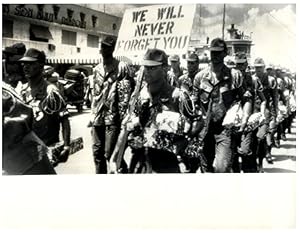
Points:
[(46, 16)]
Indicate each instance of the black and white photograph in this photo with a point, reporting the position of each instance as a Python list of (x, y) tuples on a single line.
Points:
[(149, 103)]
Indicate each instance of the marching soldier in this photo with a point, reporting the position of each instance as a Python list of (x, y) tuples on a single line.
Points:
[(186, 80), (217, 88), (162, 118), (23, 152), (186, 83), (111, 94), (176, 71), (265, 132), (12, 67), (48, 105), (246, 142)]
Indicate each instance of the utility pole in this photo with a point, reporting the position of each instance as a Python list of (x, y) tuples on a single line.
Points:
[(223, 26)]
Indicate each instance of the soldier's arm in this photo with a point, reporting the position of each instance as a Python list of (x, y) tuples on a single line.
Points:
[(196, 89), (123, 70), (259, 91), (179, 82), (245, 97), (54, 104), (263, 105), (274, 93), (66, 130)]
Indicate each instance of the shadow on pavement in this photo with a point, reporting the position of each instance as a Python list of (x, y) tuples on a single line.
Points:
[(278, 158), (287, 146), (291, 139), (278, 170)]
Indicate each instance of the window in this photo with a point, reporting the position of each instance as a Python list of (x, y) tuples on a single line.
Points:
[(68, 37), (229, 51), (7, 28), (39, 33), (240, 49), (92, 41)]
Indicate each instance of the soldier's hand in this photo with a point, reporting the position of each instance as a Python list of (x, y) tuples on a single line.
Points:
[(91, 120), (242, 128), (132, 123), (64, 154), (123, 69), (113, 167), (15, 128)]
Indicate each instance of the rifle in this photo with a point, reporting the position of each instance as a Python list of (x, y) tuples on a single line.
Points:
[(119, 150)]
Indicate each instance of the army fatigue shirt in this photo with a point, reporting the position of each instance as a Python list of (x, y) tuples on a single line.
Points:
[(222, 93), (117, 99), (48, 107)]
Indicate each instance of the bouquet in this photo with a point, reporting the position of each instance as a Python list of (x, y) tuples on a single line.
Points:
[(233, 117)]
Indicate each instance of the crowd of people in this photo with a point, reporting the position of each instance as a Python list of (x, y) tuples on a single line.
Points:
[(217, 118)]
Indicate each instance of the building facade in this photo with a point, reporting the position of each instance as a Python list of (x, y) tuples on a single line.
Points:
[(67, 33)]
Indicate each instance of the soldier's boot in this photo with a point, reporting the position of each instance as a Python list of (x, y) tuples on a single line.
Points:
[(277, 143), (101, 166), (268, 154)]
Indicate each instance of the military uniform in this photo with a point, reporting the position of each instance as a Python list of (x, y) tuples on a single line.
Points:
[(107, 120), (23, 152), (163, 127), (48, 104), (216, 97), (244, 144), (13, 69), (162, 119), (282, 100), (48, 108), (266, 131), (172, 74)]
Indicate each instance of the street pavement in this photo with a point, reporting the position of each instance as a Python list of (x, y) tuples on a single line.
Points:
[(82, 161)]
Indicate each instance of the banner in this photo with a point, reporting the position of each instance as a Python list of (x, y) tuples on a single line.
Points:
[(165, 27)]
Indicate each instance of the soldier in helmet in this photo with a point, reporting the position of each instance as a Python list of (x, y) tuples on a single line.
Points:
[(186, 83), (24, 153), (217, 89), (47, 102), (111, 94), (162, 120), (13, 69), (246, 150), (265, 132), (176, 70), (186, 80)]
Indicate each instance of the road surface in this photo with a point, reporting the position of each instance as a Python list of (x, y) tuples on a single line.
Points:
[(82, 161)]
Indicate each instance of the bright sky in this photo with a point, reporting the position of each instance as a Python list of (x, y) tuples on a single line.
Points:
[(273, 27)]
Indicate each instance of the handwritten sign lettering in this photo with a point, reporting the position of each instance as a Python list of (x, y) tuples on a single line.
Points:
[(165, 27)]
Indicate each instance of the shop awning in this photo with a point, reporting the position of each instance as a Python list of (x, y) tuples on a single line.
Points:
[(41, 32), (85, 60), (72, 60)]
